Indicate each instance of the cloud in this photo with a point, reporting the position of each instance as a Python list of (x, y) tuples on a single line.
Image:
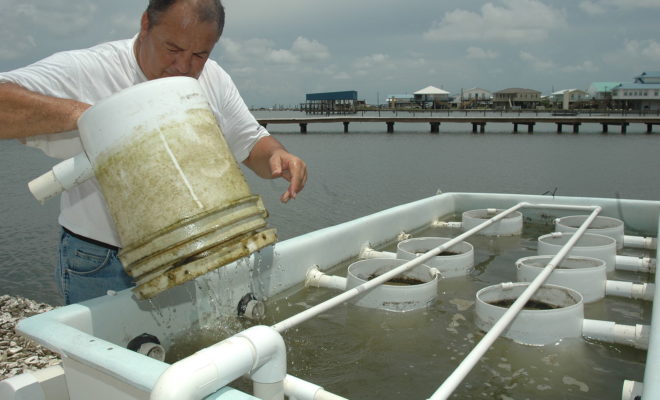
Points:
[(251, 50), (58, 17), (643, 49), (593, 7), (309, 50), (512, 21), (370, 61), (537, 63), (627, 4), (478, 53), (541, 65)]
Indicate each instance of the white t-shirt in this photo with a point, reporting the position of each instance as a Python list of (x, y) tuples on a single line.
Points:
[(90, 75)]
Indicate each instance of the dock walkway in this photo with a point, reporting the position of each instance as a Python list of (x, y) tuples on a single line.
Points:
[(478, 122)]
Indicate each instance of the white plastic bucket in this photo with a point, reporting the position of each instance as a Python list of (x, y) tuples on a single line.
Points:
[(456, 261), (532, 326), (607, 226), (180, 203), (417, 287), (507, 226), (586, 275), (589, 245)]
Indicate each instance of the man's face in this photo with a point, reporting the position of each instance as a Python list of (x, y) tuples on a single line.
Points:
[(177, 45)]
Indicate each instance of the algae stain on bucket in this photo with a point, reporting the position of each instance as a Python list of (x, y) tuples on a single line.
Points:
[(180, 203)]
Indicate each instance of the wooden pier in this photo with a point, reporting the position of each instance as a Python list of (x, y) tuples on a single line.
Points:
[(478, 123)]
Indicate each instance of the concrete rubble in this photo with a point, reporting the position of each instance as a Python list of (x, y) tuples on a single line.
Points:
[(17, 353)]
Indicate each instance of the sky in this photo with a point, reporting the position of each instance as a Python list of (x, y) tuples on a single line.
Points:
[(278, 50)]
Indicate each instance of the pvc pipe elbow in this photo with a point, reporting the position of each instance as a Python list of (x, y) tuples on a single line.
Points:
[(63, 176), (258, 351), (368, 252), (206, 371), (269, 354)]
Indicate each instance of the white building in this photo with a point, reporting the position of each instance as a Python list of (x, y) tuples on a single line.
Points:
[(431, 97), (642, 94), (567, 97), (400, 100)]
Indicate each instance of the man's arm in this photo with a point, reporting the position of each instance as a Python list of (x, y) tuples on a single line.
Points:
[(269, 159), (25, 113)]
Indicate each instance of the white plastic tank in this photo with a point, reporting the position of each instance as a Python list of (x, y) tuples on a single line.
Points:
[(508, 226), (586, 275), (589, 245), (607, 226), (179, 200), (552, 313), (414, 289), (453, 262)]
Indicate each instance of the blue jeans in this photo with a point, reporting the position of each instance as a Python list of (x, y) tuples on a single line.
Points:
[(87, 270)]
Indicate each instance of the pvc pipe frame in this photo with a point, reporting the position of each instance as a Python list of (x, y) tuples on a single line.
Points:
[(451, 383), (349, 294), (610, 332), (258, 351)]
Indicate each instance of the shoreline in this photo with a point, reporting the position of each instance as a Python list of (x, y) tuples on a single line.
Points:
[(19, 354)]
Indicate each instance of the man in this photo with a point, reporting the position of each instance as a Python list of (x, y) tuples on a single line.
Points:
[(41, 103)]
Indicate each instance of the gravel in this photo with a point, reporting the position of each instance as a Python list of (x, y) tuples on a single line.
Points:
[(17, 353)]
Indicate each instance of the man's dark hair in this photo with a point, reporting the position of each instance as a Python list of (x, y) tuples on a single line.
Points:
[(207, 11)]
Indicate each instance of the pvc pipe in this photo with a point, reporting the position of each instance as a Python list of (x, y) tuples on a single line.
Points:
[(268, 391), (368, 252), (638, 291), (451, 383), (632, 390), (298, 389), (640, 242), (258, 351), (316, 278), (635, 264), (636, 336), (61, 177), (349, 294), (446, 224)]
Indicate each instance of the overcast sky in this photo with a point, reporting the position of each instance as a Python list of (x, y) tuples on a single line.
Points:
[(278, 50)]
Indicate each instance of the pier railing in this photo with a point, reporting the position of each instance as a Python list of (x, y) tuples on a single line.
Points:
[(478, 122)]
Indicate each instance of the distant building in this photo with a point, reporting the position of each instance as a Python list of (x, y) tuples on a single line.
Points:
[(400, 100), (601, 91), (517, 98), (642, 94), (432, 97), (331, 103), (648, 77), (568, 97), (472, 98)]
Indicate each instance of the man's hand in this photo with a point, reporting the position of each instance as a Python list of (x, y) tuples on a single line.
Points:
[(293, 169), (269, 159)]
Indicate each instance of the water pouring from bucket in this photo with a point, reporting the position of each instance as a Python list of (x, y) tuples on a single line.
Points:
[(179, 201)]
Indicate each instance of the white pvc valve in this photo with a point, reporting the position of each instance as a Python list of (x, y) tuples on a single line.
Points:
[(153, 350), (255, 310)]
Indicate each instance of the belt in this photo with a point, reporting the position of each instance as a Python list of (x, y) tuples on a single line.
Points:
[(91, 241)]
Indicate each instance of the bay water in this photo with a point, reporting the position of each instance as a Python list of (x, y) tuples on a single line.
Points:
[(358, 173)]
